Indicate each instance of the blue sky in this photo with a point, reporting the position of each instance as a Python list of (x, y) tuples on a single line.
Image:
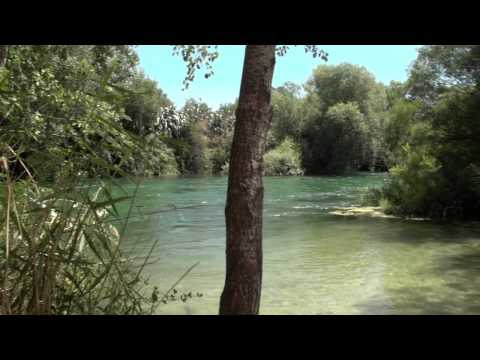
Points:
[(386, 62)]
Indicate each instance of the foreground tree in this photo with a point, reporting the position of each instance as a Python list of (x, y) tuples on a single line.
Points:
[(243, 212), (244, 209)]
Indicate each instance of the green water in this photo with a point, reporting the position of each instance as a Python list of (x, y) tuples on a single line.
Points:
[(314, 262)]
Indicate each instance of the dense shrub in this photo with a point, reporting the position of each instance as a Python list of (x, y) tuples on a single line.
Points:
[(285, 159), (415, 185)]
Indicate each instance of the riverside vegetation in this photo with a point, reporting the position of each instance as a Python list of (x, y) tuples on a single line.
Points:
[(75, 118)]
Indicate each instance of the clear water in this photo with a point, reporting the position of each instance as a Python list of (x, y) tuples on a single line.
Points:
[(314, 262)]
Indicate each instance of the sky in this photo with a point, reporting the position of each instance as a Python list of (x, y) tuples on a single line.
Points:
[(386, 62)]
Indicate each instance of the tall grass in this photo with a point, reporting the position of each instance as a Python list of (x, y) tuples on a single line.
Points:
[(60, 254)]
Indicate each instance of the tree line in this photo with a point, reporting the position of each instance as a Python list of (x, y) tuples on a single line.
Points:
[(69, 102)]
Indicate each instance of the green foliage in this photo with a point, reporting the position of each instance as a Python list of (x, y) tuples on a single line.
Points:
[(60, 255), (196, 57), (162, 162), (89, 111), (68, 112), (202, 141), (416, 185), (287, 119), (220, 135), (438, 121), (143, 102), (285, 159), (342, 83), (219, 157), (85, 107), (334, 142), (327, 148), (394, 92), (60, 103), (440, 68), (193, 152), (221, 123), (398, 128), (281, 50), (199, 162)]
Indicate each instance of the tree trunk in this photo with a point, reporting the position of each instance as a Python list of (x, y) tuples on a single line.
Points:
[(244, 209)]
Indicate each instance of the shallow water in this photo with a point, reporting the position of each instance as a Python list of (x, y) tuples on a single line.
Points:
[(314, 262)]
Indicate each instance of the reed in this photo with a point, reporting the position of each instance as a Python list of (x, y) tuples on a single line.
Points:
[(60, 253)]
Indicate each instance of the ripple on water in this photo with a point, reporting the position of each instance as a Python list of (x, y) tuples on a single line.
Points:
[(314, 263)]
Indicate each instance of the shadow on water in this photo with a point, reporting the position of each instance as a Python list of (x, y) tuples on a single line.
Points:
[(419, 232), (456, 291)]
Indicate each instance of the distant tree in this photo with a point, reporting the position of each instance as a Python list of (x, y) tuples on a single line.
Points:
[(342, 83), (395, 91), (143, 104), (329, 87), (401, 118), (287, 114), (439, 68), (338, 139), (220, 134)]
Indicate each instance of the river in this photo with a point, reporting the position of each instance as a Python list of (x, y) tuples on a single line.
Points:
[(314, 262)]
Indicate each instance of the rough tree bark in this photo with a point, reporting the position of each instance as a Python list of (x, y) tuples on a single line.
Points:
[(244, 209)]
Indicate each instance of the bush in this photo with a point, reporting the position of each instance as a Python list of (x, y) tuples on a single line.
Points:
[(285, 159), (416, 186)]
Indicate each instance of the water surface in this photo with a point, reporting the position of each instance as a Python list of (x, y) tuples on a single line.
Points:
[(314, 262)]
